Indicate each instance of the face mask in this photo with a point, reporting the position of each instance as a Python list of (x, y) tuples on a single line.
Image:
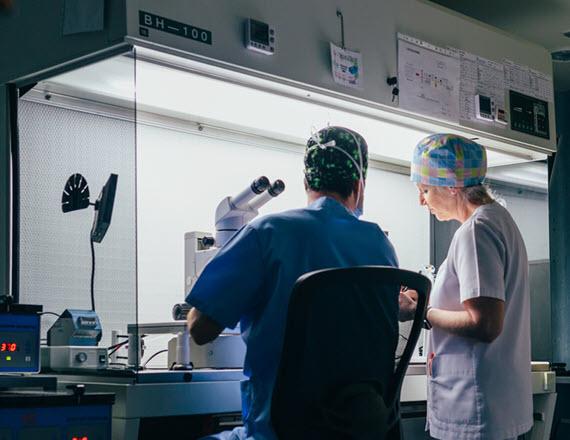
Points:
[(359, 210)]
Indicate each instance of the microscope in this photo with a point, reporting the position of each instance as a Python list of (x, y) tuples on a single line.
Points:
[(232, 214)]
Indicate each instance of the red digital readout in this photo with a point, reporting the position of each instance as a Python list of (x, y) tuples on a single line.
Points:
[(80, 438), (8, 346)]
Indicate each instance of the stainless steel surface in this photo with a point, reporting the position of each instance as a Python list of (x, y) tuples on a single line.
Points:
[(157, 328)]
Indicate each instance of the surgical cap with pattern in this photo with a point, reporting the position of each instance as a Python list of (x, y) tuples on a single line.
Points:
[(325, 167), (448, 160)]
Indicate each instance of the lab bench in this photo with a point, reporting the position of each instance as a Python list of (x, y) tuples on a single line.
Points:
[(171, 395)]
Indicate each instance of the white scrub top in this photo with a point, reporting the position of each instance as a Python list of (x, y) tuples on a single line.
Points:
[(479, 390)]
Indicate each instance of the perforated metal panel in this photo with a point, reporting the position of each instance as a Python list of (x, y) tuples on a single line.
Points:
[(55, 256)]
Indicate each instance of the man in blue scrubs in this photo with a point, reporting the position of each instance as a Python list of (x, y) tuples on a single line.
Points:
[(251, 278)]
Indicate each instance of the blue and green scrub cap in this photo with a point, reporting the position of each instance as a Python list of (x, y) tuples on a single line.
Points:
[(448, 160), (334, 155)]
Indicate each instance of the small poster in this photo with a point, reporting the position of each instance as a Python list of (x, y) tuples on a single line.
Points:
[(429, 78), (346, 67)]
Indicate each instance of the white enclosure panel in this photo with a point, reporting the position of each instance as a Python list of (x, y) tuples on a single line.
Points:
[(305, 27), (181, 177)]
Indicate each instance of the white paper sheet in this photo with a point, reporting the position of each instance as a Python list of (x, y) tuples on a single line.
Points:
[(480, 76), (541, 85), (346, 67), (428, 78), (528, 81)]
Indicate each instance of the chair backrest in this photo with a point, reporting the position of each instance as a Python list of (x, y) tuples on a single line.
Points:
[(342, 332)]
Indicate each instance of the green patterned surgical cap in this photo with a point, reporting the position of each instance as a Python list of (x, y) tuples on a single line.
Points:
[(326, 167)]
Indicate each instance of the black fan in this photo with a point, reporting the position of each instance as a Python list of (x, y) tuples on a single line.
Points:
[(75, 194)]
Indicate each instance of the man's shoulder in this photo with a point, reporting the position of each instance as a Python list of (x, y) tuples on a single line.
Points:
[(288, 216)]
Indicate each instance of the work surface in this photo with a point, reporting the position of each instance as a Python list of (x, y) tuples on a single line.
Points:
[(172, 393)]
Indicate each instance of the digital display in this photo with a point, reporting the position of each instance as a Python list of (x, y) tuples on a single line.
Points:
[(529, 115), (485, 104), (84, 437), (260, 32), (19, 343), (8, 346)]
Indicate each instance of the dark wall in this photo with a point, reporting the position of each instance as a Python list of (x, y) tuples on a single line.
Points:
[(34, 36), (559, 206)]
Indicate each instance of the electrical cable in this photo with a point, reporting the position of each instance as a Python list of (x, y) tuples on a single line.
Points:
[(92, 275), (116, 347), (50, 313), (119, 345), (153, 356)]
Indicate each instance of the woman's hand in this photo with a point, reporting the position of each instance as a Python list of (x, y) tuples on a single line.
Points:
[(407, 301)]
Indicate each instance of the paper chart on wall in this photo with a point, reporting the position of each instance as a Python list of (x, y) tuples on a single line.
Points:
[(346, 67), (528, 81), (428, 77), (480, 76)]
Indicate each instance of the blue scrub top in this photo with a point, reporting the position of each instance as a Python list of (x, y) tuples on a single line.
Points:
[(251, 278)]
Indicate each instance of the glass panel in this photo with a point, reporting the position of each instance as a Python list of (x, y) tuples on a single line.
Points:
[(203, 135), (201, 139), (524, 191), (73, 145)]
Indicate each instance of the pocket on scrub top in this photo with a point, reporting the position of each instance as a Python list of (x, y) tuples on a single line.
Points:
[(452, 392)]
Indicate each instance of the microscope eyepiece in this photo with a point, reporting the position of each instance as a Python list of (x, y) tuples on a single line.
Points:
[(277, 188), (260, 184)]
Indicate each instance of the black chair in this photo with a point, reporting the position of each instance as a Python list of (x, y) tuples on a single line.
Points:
[(340, 374)]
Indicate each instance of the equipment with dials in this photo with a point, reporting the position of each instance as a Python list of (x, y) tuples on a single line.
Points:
[(259, 36), (30, 406), (486, 109), (75, 327), (529, 115), (72, 342), (19, 338)]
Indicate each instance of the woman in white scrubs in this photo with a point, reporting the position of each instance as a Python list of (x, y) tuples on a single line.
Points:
[(479, 380)]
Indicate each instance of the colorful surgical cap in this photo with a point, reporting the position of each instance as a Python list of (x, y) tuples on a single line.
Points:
[(448, 160), (326, 167)]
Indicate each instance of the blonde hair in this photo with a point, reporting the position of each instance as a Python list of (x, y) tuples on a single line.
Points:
[(477, 194)]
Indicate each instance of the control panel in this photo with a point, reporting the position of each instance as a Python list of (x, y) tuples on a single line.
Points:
[(529, 115), (259, 36), (19, 342)]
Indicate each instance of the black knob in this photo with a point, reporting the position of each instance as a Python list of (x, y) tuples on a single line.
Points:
[(392, 80), (208, 241), (78, 389)]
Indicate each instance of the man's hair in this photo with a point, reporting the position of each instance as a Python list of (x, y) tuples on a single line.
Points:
[(329, 170)]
